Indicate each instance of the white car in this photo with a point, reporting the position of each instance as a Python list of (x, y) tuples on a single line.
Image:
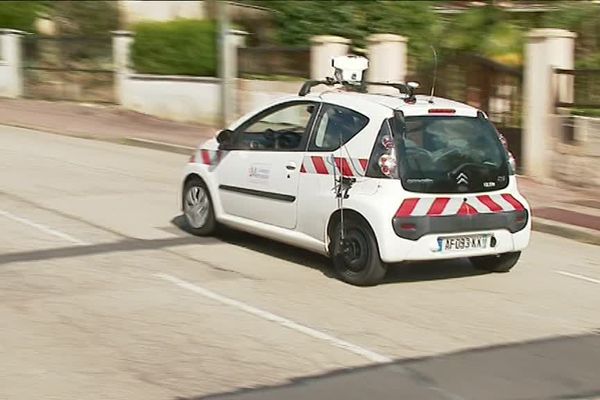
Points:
[(370, 180)]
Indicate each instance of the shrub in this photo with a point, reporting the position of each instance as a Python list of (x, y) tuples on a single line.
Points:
[(182, 47), (19, 14)]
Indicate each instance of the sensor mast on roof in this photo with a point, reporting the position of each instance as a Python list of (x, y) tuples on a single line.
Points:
[(349, 73)]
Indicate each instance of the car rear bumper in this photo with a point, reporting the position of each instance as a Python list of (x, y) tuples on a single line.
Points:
[(396, 249), (414, 228)]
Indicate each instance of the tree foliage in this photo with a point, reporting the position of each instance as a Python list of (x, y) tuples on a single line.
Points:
[(582, 18), (297, 21), (487, 30), (72, 18), (85, 18), (19, 15)]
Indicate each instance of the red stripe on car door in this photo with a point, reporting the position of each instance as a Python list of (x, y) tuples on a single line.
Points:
[(205, 157), (319, 164), (343, 167)]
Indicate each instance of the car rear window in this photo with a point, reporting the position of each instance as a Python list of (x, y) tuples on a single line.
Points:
[(451, 154)]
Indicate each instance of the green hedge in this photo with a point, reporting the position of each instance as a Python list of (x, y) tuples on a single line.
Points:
[(183, 47), (19, 14)]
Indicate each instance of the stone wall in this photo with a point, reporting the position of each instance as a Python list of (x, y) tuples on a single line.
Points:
[(576, 150)]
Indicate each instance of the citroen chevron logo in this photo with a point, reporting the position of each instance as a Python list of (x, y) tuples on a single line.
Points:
[(462, 178)]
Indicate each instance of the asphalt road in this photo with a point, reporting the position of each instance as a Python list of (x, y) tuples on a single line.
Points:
[(103, 296)]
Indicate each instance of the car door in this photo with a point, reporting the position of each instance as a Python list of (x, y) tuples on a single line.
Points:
[(258, 174)]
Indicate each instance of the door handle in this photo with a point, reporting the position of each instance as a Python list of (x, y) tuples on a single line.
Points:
[(290, 166)]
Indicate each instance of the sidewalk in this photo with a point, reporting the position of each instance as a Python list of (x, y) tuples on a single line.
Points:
[(99, 122), (561, 210)]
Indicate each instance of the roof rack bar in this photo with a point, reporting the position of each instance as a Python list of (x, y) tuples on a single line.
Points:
[(403, 88)]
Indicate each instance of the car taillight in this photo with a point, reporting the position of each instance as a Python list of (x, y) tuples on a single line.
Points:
[(383, 163), (512, 162), (441, 111), (387, 165)]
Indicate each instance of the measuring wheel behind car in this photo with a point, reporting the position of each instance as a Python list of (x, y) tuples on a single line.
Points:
[(197, 208), (356, 257)]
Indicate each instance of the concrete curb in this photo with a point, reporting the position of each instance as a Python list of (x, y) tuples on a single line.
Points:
[(573, 232), (129, 141)]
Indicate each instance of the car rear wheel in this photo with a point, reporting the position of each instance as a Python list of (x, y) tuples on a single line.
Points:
[(356, 258), (198, 208), (497, 263)]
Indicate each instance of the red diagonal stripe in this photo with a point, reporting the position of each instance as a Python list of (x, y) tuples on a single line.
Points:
[(205, 156), (489, 203), (513, 202), (364, 163), (407, 207), (343, 166), (319, 164), (346, 167), (302, 169), (438, 206), (466, 209)]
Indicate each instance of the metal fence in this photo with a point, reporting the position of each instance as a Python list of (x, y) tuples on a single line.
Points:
[(68, 68), (274, 61), (585, 92)]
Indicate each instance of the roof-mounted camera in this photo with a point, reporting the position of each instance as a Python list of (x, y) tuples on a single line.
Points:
[(349, 73)]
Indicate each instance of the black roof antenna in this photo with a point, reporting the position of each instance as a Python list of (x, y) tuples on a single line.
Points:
[(435, 66)]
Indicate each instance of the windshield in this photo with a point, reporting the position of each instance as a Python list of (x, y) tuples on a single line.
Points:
[(450, 154)]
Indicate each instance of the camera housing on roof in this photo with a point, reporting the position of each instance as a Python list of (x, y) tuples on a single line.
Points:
[(349, 68)]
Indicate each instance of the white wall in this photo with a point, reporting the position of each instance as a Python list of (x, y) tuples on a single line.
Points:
[(253, 94), (133, 11), (11, 78), (178, 98)]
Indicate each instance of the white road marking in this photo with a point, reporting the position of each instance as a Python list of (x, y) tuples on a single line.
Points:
[(43, 228), (582, 277), (361, 351)]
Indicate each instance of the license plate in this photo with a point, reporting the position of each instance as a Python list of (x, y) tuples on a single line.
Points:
[(460, 243)]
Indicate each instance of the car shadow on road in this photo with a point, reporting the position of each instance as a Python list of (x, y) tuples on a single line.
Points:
[(559, 367), (397, 273)]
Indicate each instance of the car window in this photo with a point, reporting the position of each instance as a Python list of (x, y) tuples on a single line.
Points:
[(336, 125), (283, 129), (436, 151)]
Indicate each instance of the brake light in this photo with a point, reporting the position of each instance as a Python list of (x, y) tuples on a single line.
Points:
[(387, 164), (408, 227), (442, 111)]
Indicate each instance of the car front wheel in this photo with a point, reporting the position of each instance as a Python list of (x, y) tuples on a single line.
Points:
[(497, 263), (198, 208), (356, 257)]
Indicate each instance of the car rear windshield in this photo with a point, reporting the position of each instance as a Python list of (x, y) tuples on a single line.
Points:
[(450, 154)]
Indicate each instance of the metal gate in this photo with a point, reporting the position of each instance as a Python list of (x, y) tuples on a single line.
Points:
[(68, 68), (492, 87)]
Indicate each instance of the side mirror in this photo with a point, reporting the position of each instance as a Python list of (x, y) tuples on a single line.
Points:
[(225, 136)]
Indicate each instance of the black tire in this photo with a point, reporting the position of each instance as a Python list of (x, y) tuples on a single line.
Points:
[(199, 222), (498, 263), (357, 260)]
